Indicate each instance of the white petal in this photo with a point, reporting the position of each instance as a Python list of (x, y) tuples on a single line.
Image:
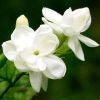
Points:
[(51, 15), (75, 46), (44, 82), (44, 28), (22, 36), (37, 65), (9, 50), (87, 41), (57, 29), (68, 30), (32, 61), (68, 17), (87, 25), (82, 19), (21, 64), (35, 80), (45, 43), (56, 68)]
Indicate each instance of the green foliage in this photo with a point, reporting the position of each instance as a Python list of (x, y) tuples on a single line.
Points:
[(16, 84), (7, 71), (2, 60), (20, 91)]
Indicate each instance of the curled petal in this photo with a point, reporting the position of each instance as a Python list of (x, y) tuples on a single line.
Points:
[(35, 80), (75, 46), (22, 36), (56, 68), (82, 19), (51, 15), (87, 41), (9, 50)]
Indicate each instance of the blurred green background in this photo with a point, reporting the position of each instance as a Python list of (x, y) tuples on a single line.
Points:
[(82, 80)]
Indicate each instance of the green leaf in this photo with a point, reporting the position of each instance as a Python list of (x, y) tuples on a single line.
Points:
[(15, 83), (7, 71), (2, 60), (20, 91)]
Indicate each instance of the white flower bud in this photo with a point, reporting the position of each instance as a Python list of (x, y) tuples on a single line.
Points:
[(22, 20)]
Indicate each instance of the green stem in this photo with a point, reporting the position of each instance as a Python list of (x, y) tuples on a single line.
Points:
[(12, 84), (62, 49)]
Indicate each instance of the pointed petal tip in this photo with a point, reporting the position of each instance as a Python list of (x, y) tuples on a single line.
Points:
[(97, 45), (87, 41), (70, 8), (82, 59)]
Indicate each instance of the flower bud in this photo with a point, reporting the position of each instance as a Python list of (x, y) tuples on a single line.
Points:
[(22, 20)]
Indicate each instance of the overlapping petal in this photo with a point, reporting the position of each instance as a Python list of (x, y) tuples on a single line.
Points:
[(44, 83), (82, 19), (35, 80), (56, 28), (44, 28), (9, 50), (51, 15), (32, 61), (68, 30), (75, 46), (46, 43), (56, 68), (68, 17), (22, 36), (20, 64)]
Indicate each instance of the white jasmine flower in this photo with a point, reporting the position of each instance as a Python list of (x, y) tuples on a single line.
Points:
[(39, 60), (32, 51), (72, 23)]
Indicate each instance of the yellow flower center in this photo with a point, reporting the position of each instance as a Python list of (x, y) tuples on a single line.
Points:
[(36, 52)]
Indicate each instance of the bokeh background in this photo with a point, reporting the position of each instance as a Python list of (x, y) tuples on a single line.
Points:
[(82, 80)]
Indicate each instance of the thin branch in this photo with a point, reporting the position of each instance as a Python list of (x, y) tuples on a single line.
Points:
[(12, 84)]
